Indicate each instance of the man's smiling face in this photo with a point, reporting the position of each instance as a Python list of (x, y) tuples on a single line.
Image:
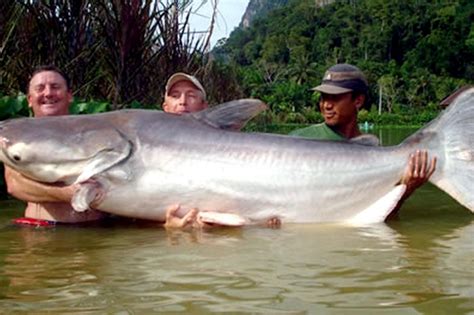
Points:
[(48, 94)]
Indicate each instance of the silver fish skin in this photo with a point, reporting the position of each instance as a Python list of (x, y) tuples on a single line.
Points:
[(143, 161)]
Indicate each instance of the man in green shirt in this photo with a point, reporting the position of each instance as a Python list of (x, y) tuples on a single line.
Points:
[(320, 131), (343, 92)]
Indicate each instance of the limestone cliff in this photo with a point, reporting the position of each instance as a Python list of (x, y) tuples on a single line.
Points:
[(259, 8)]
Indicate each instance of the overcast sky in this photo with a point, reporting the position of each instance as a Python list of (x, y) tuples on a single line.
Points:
[(229, 15)]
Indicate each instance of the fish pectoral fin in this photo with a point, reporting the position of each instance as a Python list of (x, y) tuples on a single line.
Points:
[(104, 160), (221, 218), (380, 209), (87, 193), (231, 115)]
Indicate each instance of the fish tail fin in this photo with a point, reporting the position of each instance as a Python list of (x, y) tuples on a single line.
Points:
[(451, 138)]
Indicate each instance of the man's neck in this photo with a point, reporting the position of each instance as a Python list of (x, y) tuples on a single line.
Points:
[(348, 131)]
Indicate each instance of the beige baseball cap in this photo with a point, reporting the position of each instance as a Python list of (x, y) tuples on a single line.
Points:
[(181, 76)]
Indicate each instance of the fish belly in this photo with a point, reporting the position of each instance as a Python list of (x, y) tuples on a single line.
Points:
[(322, 187)]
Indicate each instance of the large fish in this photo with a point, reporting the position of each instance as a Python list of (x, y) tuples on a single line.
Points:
[(140, 162)]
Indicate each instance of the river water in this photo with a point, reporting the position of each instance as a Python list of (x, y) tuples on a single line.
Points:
[(421, 263)]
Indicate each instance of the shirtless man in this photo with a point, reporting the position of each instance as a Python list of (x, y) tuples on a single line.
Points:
[(49, 94)]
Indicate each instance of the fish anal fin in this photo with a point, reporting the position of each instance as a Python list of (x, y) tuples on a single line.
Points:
[(380, 209), (222, 218), (232, 115)]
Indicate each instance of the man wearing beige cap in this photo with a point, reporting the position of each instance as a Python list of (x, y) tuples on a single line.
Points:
[(343, 92), (184, 94)]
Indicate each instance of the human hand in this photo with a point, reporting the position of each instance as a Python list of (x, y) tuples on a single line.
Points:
[(94, 187), (273, 223), (173, 221), (418, 171)]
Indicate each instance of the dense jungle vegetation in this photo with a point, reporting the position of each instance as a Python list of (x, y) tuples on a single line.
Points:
[(119, 53), (414, 52)]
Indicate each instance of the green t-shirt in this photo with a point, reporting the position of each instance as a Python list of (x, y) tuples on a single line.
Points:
[(323, 132), (319, 131)]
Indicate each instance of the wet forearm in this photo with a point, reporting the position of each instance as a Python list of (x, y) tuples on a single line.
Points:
[(26, 189)]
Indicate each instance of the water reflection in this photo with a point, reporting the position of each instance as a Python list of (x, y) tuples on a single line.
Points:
[(299, 268), (46, 267)]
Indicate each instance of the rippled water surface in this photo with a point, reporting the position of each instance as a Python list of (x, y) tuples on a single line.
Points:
[(421, 263)]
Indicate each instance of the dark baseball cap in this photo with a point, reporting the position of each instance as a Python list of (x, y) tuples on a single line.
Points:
[(343, 78)]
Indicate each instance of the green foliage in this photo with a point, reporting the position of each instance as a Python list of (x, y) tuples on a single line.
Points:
[(416, 53), (405, 117), (11, 107), (92, 107), (286, 96), (17, 106)]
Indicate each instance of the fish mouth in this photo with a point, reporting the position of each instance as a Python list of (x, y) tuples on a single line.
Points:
[(5, 143), (10, 159)]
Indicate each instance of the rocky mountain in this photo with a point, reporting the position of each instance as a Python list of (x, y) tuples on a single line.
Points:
[(259, 8)]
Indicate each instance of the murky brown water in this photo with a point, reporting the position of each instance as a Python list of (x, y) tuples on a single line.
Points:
[(419, 264)]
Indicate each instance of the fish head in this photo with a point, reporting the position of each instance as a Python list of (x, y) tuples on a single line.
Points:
[(60, 149)]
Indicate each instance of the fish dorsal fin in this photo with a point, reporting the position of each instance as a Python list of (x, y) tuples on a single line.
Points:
[(380, 209), (232, 115), (366, 139)]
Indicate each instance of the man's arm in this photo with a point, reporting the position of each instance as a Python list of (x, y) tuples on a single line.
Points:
[(29, 190), (418, 172)]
